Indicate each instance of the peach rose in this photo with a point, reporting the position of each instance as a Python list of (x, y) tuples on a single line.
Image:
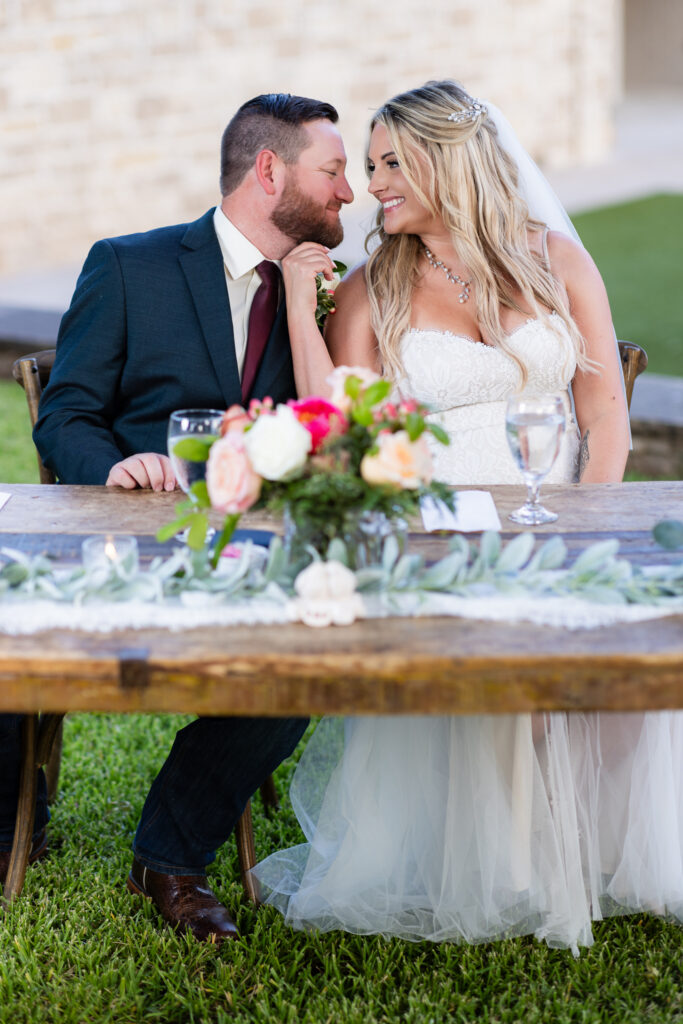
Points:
[(232, 484), (399, 462)]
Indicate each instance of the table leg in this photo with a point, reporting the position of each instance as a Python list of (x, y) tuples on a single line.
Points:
[(26, 809)]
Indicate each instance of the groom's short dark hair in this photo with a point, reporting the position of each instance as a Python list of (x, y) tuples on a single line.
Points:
[(272, 121)]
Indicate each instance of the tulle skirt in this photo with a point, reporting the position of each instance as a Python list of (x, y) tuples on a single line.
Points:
[(473, 828)]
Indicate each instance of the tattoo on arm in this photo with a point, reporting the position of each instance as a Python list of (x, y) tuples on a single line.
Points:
[(584, 454)]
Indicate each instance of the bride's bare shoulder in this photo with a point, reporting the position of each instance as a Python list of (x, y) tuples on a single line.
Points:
[(348, 331), (353, 287)]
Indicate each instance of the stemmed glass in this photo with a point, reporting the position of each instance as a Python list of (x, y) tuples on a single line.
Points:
[(201, 426), (534, 425)]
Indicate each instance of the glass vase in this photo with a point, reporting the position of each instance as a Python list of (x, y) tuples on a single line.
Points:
[(363, 532)]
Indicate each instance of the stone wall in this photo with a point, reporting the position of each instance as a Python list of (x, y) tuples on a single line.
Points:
[(111, 110)]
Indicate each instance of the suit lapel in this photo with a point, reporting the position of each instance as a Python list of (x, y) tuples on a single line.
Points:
[(202, 264)]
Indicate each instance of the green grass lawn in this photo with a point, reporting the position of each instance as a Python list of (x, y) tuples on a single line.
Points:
[(638, 248), (77, 948), (18, 463)]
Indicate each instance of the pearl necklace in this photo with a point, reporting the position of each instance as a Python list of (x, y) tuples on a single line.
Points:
[(453, 278)]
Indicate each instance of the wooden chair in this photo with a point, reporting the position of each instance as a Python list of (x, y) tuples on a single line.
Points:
[(42, 734), (633, 362)]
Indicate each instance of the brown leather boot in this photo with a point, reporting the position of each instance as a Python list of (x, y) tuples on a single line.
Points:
[(185, 901), (38, 852)]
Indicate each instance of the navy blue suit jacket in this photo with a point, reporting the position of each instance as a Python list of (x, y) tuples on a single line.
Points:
[(148, 331)]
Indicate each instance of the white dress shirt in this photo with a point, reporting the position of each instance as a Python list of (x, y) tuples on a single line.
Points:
[(240, 259)]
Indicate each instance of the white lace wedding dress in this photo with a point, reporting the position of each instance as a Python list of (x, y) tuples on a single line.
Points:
[(473, 828)]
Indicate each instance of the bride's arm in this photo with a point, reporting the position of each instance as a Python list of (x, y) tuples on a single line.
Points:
[(349, 339), (599, 399), (349, 336)]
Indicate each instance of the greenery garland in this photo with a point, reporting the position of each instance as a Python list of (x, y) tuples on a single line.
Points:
[(471, 568)]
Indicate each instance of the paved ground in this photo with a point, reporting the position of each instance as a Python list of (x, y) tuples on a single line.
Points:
[(647, 158)]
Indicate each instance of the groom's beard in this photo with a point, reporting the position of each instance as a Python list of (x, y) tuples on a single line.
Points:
[(303, 220)]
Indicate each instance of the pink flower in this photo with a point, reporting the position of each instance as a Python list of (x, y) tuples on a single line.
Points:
[(232, 484), (399, 462), (235, 418), (320, 418), (258, 406), (408, 405)]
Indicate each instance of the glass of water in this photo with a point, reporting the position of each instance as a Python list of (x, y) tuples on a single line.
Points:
[(534, 425), (191, 432)]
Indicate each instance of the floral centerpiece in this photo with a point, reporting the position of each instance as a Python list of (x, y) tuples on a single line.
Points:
[(337, 468)]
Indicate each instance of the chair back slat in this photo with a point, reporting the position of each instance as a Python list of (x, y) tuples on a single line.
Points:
[(633, 362), (33, 372)]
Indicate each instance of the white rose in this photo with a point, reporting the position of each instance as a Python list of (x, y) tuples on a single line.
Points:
[(329, 286), (278, 444), (326, 595)]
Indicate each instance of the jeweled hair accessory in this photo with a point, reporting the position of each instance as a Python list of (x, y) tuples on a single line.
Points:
[(471, 113)]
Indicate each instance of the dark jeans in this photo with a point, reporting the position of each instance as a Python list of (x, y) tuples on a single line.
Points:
[(10, 761), (214, 767)]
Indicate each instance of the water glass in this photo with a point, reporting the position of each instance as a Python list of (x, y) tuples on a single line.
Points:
[(534, 425), (198, 425)]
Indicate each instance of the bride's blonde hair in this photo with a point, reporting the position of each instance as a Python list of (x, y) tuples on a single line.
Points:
[(459, 171)]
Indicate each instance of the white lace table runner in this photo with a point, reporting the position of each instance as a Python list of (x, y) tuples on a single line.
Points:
[(27, 616)]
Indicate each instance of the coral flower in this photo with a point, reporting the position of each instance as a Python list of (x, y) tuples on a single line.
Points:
[(320, 418)]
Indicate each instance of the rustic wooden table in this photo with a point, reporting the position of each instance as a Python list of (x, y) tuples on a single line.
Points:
[(439, 665), (432, 665)]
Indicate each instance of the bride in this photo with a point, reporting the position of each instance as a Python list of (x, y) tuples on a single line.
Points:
[(472, 828)]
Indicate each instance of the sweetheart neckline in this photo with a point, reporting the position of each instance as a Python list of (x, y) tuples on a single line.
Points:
[(472, 341)]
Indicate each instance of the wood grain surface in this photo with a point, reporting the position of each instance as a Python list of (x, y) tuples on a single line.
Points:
[(395, 665)]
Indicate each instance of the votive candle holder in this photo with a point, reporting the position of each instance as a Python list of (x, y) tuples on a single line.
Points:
[(108, 550)]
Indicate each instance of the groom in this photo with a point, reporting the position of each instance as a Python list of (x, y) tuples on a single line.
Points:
[(195, 316)]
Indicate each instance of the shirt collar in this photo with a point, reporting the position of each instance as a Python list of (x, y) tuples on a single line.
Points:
[(239, 254)]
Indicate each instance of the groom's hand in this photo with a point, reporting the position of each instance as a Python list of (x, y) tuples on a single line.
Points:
[(145, 470), (299, 270)]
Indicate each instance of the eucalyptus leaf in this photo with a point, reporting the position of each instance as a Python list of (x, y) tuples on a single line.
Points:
[(390, 552), (401, 572), (277, 561), (15, 573), (515, 553), (595, 556), (669, 534), (551, 555), (372, 578), (336, 551), (441, 574)]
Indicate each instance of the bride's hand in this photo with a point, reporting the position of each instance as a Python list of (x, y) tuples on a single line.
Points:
[(299, 271)]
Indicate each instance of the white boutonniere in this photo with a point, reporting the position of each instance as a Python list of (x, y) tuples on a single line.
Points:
[(326, 290)]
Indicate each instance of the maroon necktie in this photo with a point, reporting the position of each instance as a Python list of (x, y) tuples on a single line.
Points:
[(261, 319)]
